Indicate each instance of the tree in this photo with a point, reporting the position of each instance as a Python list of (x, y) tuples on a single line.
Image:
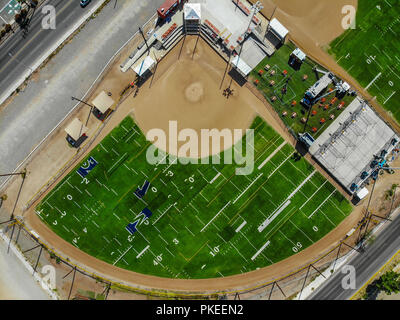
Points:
[(7, 28), (389, 282), (18, 18)]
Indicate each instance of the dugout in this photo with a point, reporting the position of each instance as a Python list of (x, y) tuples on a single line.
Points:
[(102, 105), (76, 133)]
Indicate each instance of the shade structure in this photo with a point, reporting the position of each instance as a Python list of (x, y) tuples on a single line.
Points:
[(145, 65), (278, 28), (192, 11), (103, 102), (76, 129), (241, 66)]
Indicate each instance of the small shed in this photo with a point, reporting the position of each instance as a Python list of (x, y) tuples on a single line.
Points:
[(300, 55), (241, 66), (76, 132), (362, 193), (103, 102), (144, 66)]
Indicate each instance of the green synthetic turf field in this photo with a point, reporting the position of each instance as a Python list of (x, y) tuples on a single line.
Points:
[(205, 218), (371, 52)]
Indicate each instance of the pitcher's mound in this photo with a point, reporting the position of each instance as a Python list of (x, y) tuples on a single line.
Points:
[(194, 92)]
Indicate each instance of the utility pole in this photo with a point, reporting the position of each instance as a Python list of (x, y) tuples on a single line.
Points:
[(144, 38), (23, 175)]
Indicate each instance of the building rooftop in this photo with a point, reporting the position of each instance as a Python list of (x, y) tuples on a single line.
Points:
[(349, 145)]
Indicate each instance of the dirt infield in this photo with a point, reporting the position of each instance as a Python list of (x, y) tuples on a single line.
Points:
[(190, 92)]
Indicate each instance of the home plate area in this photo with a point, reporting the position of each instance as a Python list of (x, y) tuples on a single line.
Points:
[(192, 221)]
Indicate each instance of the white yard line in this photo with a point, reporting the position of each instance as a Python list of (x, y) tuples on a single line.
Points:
[(372, 82), (241, 226), (271, 155), (116, 162), (280, 165), (215, 216), (275, 214), (215, 178), (313, 195), (244, 191), (163, 213), (285, 204), (310, 216), (394, 92)]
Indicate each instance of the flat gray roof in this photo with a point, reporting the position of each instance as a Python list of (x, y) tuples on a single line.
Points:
[(252, 53), (348, 146)]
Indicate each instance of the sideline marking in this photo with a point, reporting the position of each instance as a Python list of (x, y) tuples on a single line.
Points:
[(215, 216)]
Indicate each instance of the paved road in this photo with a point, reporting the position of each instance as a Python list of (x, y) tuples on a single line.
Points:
[(18, 54), (47, 99), (366, 264)]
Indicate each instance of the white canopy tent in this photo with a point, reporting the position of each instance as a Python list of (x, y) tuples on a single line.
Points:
[(362, 193), (242, 66), (278, 29), (143, 66), (192, 11), (299, 54), (76, 129), (103, 102)]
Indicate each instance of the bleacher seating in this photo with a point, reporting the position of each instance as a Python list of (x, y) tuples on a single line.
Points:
[(169, 32), (246, 10), (212, 27)]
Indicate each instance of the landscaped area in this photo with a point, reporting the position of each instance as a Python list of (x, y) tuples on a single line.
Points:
[(284, 88)]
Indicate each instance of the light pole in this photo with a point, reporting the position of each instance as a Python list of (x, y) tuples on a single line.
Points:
[(91, 108)]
